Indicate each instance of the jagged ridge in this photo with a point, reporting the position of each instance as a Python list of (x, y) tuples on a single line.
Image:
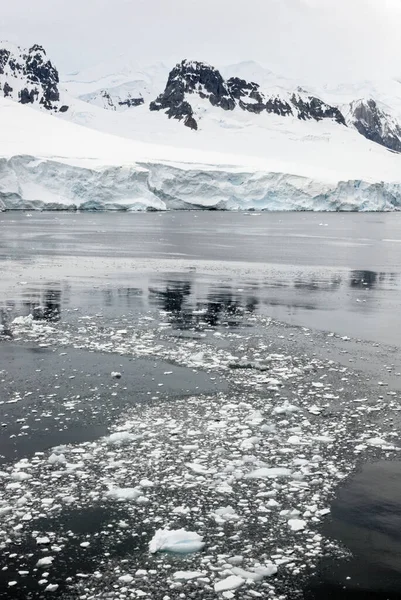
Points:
[(192, 77), (28, 77)]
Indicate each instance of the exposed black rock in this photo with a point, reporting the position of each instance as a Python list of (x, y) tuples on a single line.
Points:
[(28, 96), (130, 102), (39, 77), (4, 56), (189, 77), (7, 89), (375, 125), (63, 108), (314, 108)]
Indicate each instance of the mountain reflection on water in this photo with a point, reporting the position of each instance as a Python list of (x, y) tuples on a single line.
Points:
[(359, 300)]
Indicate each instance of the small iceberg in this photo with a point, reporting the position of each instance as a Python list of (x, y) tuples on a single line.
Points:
[(179, 541)]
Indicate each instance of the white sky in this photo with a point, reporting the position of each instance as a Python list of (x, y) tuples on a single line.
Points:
[(304, 39)]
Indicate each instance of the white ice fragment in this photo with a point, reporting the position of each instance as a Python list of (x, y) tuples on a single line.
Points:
[(179, 540), (126, 578), (187, 575), (43, 540), (256, 574), (57, 459), (224, 514), (23, 321), (297, 524), (377, 442), (197, 468), (271, 473), (230, 583), (115, 375), (285, 408), (45, 561), (20, 476), (120, 437), (123, 494), (52, 587), (146, 483)]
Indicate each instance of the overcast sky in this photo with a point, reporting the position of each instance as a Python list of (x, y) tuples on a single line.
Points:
[(310, 39)]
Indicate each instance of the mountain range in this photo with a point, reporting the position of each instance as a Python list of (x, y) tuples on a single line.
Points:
[(192, 136)]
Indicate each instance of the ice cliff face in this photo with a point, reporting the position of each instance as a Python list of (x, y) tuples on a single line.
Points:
[(28, 77), (27, 183), (189, 79)]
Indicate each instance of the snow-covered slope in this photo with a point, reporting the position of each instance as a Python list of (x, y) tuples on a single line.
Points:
[(118, 84)]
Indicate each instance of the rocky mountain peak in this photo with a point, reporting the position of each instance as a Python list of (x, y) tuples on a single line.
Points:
[(375, 124), (29, 77), (190, 78)]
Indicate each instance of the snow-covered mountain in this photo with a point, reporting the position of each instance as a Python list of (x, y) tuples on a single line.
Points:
[(191, 79), (28, 77), (247, 86), (118, 84), (192, 137)]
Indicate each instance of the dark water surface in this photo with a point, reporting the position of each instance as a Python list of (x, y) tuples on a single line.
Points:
[(334, 272), (204, 273)]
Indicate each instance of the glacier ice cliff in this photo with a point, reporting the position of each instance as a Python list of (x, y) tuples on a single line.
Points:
[(29, 183)]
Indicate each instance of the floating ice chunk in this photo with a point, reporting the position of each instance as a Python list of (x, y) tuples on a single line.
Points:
[(197, 468), (271, 473), (187, 575), (57, 459), (297, 524), (179, 540), (115, 375), (52, 587), (224, 514), (23, 321), (43, 540), (285, 408), (126, 578), (45, 561), (224, 488), (197, 358), (20, 476), (146, 483), (120, 437), (378, 442), (230, 583), (256, 574), (123, 494), (317, 384)]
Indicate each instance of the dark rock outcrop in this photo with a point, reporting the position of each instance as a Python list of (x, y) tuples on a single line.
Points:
[(190, 78), (375, 125), (314, 108), (39, 78), (130, 102)]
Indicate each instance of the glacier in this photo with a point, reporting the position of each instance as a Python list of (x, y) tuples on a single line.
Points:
[(27, 183), (50, 163)]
